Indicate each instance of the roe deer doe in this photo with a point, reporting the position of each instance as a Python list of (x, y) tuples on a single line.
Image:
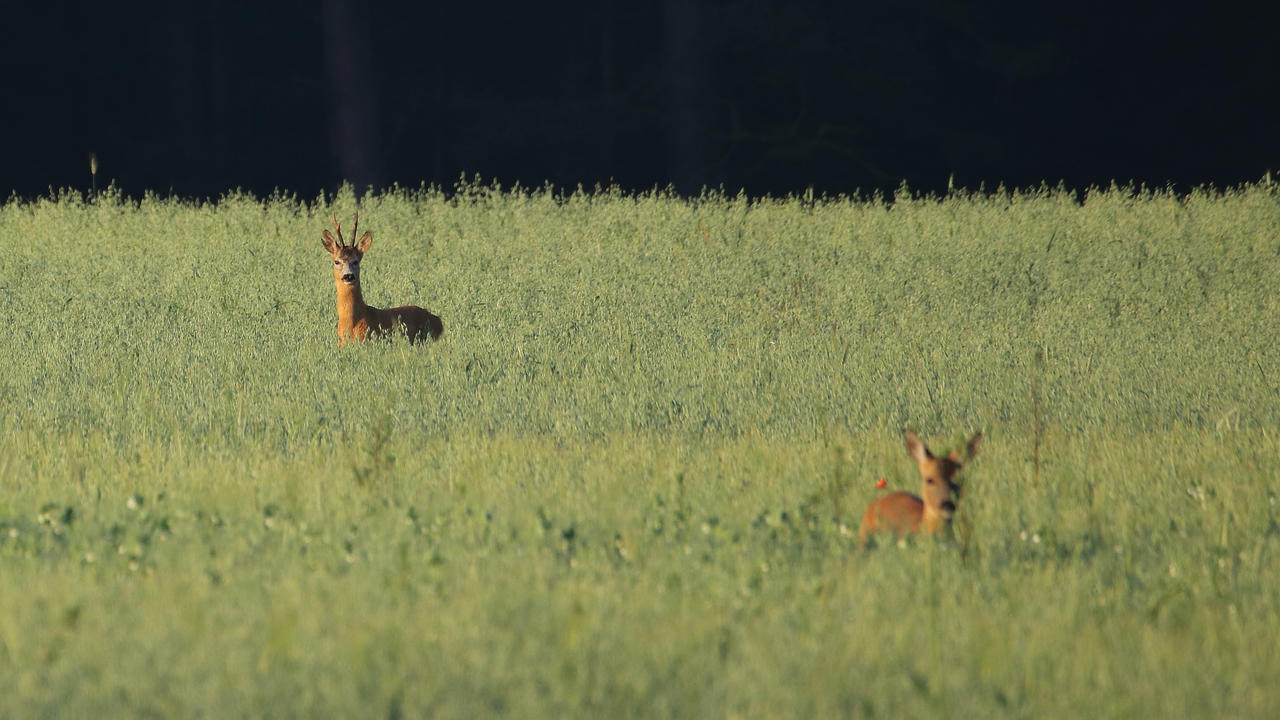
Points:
[(356, 320), (901, 512)]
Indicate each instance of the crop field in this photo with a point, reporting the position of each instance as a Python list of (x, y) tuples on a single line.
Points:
[(627, 481)]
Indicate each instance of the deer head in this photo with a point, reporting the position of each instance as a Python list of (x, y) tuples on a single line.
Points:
[(346, 257), (938, 488)]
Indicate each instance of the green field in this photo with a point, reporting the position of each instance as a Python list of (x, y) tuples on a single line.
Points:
[(628, 479)]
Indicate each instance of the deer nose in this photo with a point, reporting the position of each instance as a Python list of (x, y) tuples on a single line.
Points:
[(348, 278)]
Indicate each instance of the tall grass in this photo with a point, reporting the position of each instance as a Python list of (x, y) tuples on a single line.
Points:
[(627, 481)]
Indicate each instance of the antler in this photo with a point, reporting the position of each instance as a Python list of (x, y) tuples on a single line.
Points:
[(338, 226), (355, 222)]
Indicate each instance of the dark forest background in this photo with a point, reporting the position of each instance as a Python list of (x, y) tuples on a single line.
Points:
[(771, 97)]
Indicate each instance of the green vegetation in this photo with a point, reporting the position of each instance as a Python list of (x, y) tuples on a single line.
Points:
[(628, 480)]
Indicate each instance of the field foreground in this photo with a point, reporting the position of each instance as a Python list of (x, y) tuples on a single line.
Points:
[(627, 481)]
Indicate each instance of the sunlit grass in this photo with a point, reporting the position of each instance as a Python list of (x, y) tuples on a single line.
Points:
[(628, 479)]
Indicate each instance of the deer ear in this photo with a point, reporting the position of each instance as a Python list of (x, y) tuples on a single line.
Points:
[(329, 243), (365, 240), (974, 443), (916, 448)]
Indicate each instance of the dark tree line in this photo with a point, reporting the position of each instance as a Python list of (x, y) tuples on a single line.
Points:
[(770, 96)]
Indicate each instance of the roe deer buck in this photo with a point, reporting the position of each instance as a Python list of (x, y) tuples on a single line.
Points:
[(356, 320), (901, 512)]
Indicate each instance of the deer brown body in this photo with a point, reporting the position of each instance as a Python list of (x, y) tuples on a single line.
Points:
[(358, 320), (902, 513)]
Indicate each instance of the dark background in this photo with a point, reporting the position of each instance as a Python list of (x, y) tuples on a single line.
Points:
[(771, 97)]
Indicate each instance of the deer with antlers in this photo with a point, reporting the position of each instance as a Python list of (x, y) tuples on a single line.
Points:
[(356, 320)]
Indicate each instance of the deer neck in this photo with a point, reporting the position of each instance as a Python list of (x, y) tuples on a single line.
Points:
[(936, 518), (351, 307)]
